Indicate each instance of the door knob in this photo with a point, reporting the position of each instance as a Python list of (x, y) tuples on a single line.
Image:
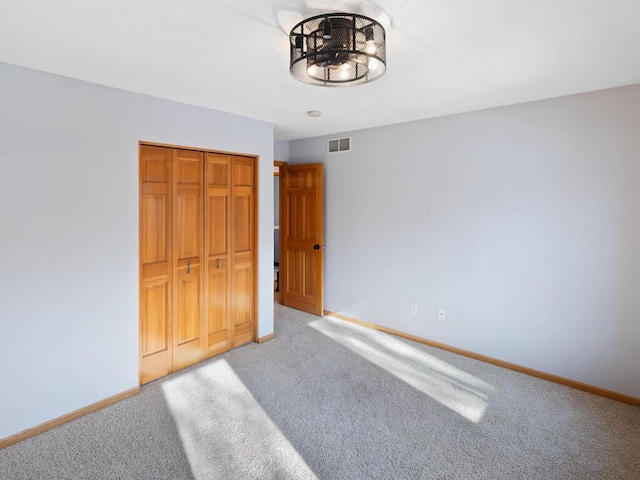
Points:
[(317, 247)]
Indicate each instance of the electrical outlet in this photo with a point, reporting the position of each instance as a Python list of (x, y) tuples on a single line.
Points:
[(414, 308), (442, 315)]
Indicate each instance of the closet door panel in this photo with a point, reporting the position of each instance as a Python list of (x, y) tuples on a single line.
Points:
[(156, 329), (188, 241), (217, 225), (243, 242)]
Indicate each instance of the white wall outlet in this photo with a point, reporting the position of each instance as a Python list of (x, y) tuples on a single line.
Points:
[(442, 315), (414, 308)]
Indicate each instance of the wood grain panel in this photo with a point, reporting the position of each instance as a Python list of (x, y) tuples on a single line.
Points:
[(154, 164), (189, 229), (310, 211), (310, 288), (154, 228), (217, 231), (243, 223), (218, 301), (243, 171), (218, 312), (243, 294), (295, 271), (294, 218), (189, 306), (189, 167), (155, 171), (155, 331), (218, 170)]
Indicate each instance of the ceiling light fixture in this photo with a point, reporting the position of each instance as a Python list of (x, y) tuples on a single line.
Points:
[(337, 50)]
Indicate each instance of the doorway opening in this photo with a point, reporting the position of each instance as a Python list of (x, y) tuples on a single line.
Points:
[(276, 229)]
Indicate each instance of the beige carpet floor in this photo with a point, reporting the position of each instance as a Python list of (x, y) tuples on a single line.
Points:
[(328, 399)]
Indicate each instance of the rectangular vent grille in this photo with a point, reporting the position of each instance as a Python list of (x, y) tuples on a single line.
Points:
[(336, 145)]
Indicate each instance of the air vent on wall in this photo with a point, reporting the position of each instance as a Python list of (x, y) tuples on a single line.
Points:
[(336, 145)]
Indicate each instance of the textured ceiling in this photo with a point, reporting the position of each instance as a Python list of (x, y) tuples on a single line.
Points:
[(443, 56)]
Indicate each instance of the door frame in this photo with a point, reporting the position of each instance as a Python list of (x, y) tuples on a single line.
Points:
[(276, 173)]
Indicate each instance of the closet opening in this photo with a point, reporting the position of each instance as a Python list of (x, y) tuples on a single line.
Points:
[(198, 255)]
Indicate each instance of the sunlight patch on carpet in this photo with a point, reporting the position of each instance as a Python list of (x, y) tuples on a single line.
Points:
[(224, 430), (455, 389)]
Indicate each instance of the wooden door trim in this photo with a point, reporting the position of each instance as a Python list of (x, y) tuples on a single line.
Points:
[(43, 427), (266, 338), (278, 163), (620, 397), (197, 149), (256, 246)]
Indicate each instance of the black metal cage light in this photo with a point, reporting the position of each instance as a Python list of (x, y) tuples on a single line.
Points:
[(337, 50)]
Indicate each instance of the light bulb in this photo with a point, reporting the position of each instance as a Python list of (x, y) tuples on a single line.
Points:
[(373, 64), (312, 70), (345, 70), (370, 48)]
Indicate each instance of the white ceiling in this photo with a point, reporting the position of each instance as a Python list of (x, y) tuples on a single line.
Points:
[(443, 56)]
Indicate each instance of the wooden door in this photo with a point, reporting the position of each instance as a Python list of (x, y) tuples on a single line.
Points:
[(197, 256), (217, 246), (302, 237), (187, 253), (243, 249), (156, 280)]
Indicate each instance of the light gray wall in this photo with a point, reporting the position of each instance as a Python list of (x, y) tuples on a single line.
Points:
[(281, 150), (69, 242), (281, 153), (522, 222)]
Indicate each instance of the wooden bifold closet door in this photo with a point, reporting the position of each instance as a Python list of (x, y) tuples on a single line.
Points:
[(197, 256)]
